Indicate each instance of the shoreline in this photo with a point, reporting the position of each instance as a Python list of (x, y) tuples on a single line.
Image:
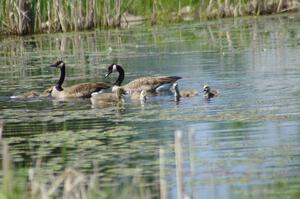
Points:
[(76, 16)]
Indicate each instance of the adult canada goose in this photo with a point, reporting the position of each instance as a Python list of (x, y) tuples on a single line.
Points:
[(33, 94), (178, 94), (148, 84), (82, 90), (104, 99), (209, 93)]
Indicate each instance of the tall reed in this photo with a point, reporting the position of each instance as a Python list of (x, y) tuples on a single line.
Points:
[(33, 16), (69, 184)]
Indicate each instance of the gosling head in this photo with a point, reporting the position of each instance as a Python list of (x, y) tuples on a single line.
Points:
[(143, 96), (58, 64), (175, 86), (121, 91), (206, 88), (176, 91), (111, 68)]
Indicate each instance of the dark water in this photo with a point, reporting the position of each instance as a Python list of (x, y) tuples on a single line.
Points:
[(243, 144)]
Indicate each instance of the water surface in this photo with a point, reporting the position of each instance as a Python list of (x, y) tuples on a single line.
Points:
[(243, 144)]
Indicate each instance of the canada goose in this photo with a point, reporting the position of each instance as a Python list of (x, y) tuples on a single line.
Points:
[(178, 94), (210, 93), (82, 90), (103, 99), (149, 84), (33, 94)]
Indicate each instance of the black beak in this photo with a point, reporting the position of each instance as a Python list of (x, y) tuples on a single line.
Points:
[(107, 74), (53, 65)]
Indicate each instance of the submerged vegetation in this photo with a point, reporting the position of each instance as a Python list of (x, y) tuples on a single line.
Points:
[(33, 16), (69, 184)]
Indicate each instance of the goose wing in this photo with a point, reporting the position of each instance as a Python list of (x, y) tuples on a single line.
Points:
[(150, 83), (86, 89)]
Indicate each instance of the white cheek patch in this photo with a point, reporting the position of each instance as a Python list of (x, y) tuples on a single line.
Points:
[(61, 64), (114, 68)]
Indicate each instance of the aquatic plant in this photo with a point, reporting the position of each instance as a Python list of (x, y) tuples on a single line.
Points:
[(69, 184), (32, 16)]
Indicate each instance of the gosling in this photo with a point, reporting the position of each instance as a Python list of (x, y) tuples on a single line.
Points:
[(209, 93), (33, 94), (185, 94), (109, 99)]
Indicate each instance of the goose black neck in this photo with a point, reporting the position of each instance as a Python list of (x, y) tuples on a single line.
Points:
[(61, 79), (121, 76)]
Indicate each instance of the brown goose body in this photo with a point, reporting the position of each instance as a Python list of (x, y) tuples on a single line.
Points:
[(103, 99), (185, 94), (148, 84), (210, 93), (83, 90)]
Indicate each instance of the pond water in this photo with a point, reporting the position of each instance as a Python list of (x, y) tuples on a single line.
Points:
[(243, 144)]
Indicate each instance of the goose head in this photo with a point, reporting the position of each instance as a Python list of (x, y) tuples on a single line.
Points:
[(206, 89), (143, 96), (120, 91), (112, 68), (116, 68), (58, 64)]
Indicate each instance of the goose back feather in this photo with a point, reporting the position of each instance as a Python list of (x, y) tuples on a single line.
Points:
[(150, 83)]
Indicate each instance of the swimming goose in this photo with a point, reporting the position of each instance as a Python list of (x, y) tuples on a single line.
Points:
[(33, 94), (27, 95), (103, 99), (148, 84), (210, 93), (82, 90), (178, 94)]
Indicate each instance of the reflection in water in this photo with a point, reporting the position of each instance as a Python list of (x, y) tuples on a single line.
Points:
[(243, 144)]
